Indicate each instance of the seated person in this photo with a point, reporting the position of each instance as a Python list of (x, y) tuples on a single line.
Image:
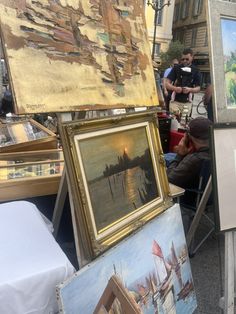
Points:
[(6, 105), (192, 150)]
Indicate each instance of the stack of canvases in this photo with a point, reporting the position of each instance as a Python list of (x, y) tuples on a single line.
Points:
[(90, 56)]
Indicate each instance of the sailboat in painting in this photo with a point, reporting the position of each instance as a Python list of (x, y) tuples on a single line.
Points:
[(165, 286), (153, 266), (163, 296), (187, 287)]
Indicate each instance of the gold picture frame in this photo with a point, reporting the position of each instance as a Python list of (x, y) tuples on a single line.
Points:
[(26, 135), (117, 177), (30, 173)]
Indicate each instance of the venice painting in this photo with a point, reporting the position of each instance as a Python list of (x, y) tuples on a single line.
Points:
[(120, 173), (152, 264), (69, 55), (117, 176)]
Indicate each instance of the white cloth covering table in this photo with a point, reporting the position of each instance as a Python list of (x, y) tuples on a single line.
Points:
[(31, 261)]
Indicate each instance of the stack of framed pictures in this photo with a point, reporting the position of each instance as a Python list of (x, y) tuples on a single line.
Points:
[(26, 135), (29, 174)]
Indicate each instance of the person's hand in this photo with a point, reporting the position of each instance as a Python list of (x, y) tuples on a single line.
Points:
[(166, 92), (178, 89), (187, 90), (183, 148)]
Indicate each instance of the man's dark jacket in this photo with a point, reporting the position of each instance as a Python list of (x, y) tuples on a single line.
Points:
[(184, 171)]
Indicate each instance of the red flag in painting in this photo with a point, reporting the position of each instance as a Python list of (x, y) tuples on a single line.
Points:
[(156, 250)]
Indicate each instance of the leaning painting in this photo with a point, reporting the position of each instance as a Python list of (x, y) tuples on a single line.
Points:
[(117, 172), (152, 264), (228, 27), (224, 174), (78, 54), (222, 39)]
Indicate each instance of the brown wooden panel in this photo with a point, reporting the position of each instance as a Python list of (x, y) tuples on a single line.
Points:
[(31, 187)]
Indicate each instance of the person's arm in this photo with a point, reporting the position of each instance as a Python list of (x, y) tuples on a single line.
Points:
[(182, 170), (182, 167), (172, 78), (166, 73), (196, 84), (172, 87), (208, 95), (165, 91), (187, 90)]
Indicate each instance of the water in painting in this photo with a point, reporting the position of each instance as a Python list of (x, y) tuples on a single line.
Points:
[(120, 174), (152, 264), (228, 27)]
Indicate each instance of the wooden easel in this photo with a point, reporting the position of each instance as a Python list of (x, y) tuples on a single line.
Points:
[(64, 188), (199, 212)]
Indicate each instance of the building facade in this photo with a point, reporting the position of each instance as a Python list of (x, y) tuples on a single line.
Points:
[(163, 26)]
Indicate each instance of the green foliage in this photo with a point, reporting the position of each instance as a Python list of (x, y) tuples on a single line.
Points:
[(232, 90), (230, 64), (174, 52), (233, 67)]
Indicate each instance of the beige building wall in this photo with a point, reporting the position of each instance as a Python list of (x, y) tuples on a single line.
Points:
[(163, 31)]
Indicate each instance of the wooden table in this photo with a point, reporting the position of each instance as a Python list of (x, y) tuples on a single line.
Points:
[(176, 191)]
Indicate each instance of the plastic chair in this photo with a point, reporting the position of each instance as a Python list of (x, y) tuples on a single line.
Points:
[(200, 208)]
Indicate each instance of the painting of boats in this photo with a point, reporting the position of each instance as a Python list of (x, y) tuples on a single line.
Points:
[(152, 264)]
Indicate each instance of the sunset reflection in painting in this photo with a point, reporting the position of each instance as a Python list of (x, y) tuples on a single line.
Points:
[(120, 174)]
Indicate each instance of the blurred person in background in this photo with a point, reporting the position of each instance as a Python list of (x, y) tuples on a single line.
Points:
[(167, 93)]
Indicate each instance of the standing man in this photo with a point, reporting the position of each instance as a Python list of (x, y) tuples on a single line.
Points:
[(184, 80), (167, 93)]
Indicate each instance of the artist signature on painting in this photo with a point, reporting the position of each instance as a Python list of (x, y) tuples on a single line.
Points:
[(35, 107)]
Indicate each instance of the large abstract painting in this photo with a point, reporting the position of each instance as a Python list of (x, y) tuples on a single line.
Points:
[(68, 55), (152, 264)]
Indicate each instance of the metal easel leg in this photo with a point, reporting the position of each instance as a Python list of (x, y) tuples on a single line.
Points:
[(199, 212)]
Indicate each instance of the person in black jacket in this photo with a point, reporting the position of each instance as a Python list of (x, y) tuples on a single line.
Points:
[(183, 81), (185, 169), (192, 149)]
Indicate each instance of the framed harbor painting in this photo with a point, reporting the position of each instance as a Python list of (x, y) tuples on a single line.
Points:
[(117, 176), (222, 39), (77, 55), (152, 264), (224, 174)]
